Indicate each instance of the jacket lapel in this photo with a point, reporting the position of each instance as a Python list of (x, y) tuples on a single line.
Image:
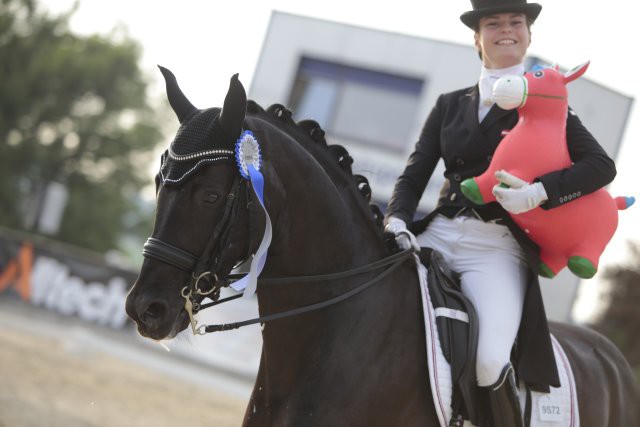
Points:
[(469, 107), (494, 114), (469, 103)]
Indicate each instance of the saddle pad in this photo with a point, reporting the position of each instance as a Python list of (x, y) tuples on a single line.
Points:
[(556, 409)]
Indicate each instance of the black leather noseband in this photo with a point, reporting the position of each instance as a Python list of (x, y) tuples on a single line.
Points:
[(169, 254)]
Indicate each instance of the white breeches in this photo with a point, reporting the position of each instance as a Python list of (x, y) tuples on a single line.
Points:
[(493, 276)]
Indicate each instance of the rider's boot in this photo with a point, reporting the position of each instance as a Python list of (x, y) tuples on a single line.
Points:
[(504, 401)]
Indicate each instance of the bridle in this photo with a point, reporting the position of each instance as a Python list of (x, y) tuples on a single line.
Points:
[(208, 265)]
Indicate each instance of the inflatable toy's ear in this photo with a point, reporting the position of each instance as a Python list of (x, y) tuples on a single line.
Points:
[(576, 72), (555, 66)]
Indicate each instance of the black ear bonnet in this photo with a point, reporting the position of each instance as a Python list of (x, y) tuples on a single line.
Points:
[(194, 147), (202, 138)]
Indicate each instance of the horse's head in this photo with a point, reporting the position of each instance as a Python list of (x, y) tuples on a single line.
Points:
[(203, 214), (224, 170), (536, 89)]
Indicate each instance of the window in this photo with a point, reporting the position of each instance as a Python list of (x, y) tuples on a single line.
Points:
[(356, 104)]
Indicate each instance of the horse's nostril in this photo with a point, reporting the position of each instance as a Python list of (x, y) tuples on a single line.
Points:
[(155, 312)]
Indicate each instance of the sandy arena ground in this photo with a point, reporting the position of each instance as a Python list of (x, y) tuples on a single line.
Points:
[(53, 380)]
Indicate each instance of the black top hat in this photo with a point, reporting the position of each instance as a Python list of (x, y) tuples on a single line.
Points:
[(489, 7)]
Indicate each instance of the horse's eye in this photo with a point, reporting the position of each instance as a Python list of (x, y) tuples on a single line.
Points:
[(538, 74), (211, 197)]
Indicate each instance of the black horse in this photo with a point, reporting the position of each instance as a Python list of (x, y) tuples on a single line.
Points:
[(360, 362)]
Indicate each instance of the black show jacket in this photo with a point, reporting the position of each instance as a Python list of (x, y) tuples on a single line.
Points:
[(452, 132)]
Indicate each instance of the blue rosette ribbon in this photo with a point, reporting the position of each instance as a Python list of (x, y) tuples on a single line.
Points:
[(249, 161)]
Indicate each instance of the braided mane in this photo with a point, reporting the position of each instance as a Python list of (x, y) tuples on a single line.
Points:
[(334, 159)]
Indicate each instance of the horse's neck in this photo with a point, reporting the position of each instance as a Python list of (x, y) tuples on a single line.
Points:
[(319, 227), (323, 230), (319, 235), (340, 353)]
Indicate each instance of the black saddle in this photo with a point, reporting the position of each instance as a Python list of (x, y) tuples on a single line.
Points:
[(457, 324)]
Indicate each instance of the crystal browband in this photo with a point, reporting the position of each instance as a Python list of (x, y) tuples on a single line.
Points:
[(193, 156)]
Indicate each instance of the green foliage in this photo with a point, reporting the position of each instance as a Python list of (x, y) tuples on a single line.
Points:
[(72, 110), (621, 318)]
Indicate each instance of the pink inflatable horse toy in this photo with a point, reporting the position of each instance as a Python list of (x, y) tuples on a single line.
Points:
[(573, 234)]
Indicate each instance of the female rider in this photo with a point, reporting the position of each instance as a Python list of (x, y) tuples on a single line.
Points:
[(497, 262)]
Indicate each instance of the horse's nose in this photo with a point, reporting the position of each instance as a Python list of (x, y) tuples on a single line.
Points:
[(130, 305), (153, 314)]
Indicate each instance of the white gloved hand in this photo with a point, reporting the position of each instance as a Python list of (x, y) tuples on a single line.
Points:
[(404, 237), (520, 196)]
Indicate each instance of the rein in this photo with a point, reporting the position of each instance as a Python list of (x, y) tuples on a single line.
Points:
[(393, 262)]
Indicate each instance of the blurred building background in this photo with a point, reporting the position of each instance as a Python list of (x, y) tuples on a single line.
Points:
[(76, 132)]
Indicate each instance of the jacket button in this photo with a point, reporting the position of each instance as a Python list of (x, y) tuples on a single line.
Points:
[(453, 197), (459, 161), (457, 177)]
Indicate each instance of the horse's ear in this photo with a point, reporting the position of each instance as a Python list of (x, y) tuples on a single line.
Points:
[(179, 102), (234, 109), (576, 72)]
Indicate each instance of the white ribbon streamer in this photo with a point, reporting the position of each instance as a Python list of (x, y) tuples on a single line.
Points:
[(250, 282)]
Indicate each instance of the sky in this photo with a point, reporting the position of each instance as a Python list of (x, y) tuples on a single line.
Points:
[(205, 42)]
